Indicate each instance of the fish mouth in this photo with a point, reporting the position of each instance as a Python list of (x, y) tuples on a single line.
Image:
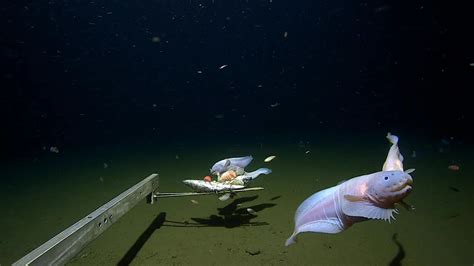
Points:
[(401, 191), (406, 186)]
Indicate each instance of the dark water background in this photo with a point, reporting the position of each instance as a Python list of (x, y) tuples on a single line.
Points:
[(138, 85)]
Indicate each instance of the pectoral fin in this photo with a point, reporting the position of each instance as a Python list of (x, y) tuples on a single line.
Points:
[(361, 207), (226, 164)]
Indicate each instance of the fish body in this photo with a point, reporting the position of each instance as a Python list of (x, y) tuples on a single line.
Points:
[(236, 163), (358, 199), (213, 186)]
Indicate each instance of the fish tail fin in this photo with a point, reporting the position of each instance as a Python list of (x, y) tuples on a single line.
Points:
[(392, 138), (291, 240), (260, 171)]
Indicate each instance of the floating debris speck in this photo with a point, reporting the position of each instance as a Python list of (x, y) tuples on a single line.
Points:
[(194, 201), (156, 39), (54, 149), (223, 66), (454, 167)]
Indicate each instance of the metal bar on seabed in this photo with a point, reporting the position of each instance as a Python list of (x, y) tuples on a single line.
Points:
[(65, 245), (186, 194)]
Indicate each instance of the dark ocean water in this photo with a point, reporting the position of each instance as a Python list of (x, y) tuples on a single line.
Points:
[(97, 95)]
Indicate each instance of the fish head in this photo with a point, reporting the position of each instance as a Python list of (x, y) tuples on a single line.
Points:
[(215, 169), (220, 167), (386, 188), (231, 163), (189, 183)]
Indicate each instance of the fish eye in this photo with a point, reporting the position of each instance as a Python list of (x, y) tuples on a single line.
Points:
[(386, 178)]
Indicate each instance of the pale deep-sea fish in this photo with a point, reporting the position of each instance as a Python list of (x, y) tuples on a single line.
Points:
[(226, 164), (371, 196)]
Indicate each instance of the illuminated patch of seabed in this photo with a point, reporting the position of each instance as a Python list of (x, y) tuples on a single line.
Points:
[(211, 231)]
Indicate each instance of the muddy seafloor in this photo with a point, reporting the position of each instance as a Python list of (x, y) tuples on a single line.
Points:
[(45, 195)]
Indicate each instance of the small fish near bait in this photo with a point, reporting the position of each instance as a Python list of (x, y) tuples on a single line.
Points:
[(269, 158)]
